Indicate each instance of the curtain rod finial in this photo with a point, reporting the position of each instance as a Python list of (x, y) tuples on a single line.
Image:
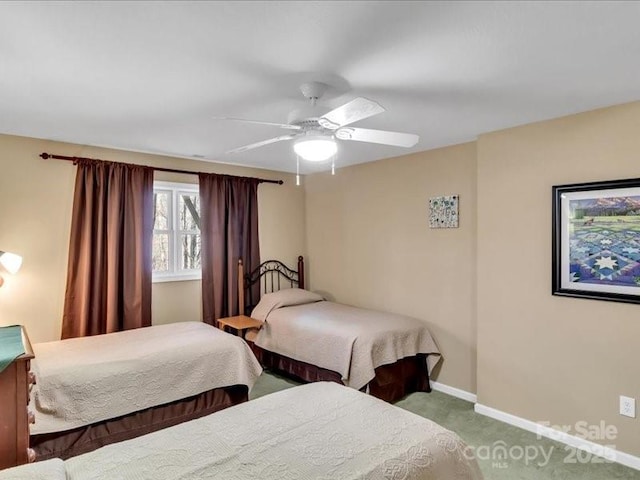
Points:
[(44, 156)]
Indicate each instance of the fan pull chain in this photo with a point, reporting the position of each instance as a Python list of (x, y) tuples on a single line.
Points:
[(333, 165), (297, 170)]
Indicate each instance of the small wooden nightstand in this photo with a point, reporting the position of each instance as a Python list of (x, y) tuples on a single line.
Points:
[(239, 323)]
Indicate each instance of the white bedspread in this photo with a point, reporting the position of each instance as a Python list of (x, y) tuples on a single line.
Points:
[(86, 380), (53, 469), (348, 340), (320, 431)]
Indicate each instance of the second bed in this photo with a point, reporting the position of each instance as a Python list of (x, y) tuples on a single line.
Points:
[(312, 339)]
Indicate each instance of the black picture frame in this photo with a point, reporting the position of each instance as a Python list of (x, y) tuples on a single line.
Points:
[(596, 240)]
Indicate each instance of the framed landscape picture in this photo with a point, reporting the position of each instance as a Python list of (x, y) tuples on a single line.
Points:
[(596, 240)]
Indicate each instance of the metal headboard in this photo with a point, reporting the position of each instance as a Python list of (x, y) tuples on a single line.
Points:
[(270, 276)]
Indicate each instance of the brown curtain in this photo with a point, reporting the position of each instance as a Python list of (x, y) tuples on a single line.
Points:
[(109, 271), (229, 229)]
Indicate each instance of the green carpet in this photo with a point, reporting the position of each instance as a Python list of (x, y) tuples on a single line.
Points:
[(487, 436)]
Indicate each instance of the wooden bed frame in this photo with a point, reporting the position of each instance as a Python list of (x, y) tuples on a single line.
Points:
[(391, 382)]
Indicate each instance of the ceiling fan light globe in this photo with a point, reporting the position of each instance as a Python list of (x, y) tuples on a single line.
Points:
[(315, 149)]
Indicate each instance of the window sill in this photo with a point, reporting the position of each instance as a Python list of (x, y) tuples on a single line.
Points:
[(176, 278)]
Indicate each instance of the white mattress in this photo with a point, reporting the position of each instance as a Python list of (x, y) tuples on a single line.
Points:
[(86, 380)]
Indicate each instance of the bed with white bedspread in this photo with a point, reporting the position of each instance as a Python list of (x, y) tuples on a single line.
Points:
[(351, 341), (319, 431), (388, 355), (81, 382)]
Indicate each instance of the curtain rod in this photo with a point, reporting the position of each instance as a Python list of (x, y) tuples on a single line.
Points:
[(46, 156)]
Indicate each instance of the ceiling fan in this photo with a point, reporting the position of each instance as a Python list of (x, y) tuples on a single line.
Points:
[(315, 130)]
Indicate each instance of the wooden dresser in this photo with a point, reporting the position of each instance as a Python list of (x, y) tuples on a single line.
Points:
[(15, 417)]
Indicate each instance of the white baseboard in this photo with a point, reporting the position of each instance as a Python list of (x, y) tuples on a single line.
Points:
[(454, 392), (563, 437)]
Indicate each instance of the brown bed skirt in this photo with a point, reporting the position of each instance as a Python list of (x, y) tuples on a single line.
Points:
[(391, 383), (86, 439)]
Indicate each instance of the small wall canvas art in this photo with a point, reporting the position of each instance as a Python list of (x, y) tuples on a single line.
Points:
[(443, 212)]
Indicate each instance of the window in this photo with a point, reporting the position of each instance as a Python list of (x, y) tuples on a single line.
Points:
[(176, 232)]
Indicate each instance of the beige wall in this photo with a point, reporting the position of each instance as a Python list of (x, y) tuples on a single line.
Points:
[(35, 217), (370, 245), (542, 357)]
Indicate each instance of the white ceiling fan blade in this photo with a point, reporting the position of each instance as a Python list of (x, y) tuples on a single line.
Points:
[(378, 136), (357, 109), (260, 144), (280, 125)]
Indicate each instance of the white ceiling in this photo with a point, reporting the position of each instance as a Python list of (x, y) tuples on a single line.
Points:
[(149, 76)]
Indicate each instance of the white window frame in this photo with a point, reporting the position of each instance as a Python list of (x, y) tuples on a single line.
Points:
[(175, 274)]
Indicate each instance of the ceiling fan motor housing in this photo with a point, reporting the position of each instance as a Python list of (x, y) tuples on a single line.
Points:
[(307, 117)]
